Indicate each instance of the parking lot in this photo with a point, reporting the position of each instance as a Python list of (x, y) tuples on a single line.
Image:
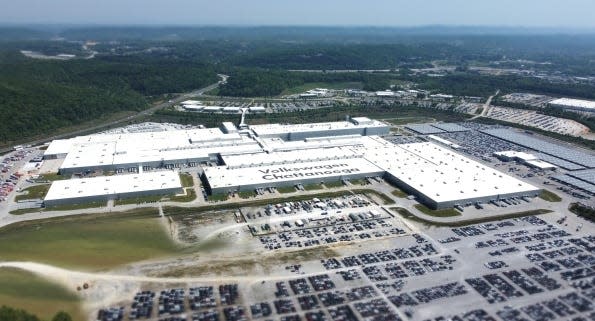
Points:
[(530, 268)]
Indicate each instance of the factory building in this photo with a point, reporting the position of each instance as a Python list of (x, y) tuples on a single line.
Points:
[(574, 104), (277, 155), (104, 188), (354, 126)]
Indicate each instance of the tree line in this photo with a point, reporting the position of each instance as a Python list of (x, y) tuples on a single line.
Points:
[(39, 96)]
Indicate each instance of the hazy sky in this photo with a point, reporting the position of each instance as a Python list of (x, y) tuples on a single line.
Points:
[(543, 13)]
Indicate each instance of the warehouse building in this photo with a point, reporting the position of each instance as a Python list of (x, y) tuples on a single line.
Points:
[(104, 188), (354, 126), (438, 177), (573, 104), (279, 155)]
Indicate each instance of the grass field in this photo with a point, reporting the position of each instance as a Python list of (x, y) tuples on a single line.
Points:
[(94, 241), (410, 216), (383, 197), (71, 207), (53, 177), (22, 211), (410, 120), (334, 184), (139, 200), (327, 85), (186, 180), (286, 189), (33, 192), (357, 182), (448, 212), (189, 197), (218, 197), (549, 196), (312, 187), (399, 193), (23, 290), (246, 194)]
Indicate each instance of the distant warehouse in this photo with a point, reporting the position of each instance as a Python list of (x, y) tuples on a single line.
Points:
[(574, 104), (104, 188)]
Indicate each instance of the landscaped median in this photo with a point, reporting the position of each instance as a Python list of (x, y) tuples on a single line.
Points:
[(447, 212), (406, 214), (549, 196), (33, 192)]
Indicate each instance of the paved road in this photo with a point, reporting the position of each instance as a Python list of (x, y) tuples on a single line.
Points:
[(143, 113), (486, 106)]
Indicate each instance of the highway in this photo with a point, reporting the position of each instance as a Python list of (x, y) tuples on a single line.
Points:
[(140, 114)]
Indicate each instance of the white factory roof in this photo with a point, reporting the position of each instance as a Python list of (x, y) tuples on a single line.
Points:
[(193, 107), (443, 175), (190, 102), (385, 93), (112, 185), (222, 176), (290, 157), (574, 103), (540, 164), (130, 148), (514, 154), (439, 173), (444, 141), (257, 108), (276, 129)]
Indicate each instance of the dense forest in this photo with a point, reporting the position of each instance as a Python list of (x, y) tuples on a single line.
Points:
[(38, 96), (266, 83), (469, 84), (133, 66)]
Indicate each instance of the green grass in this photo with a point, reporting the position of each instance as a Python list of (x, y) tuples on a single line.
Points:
[(410, 216), (384, 198), (357, 182), (286, 189), (312, 187), (448, 212), (186, 180), (139, 200), (26, 211), (218, 197), (53, 177), (327, 85), (246, 194), (410, 120), (213, 92), (92, 241), (72, 207), (334, 184), (399, 193), (549, 196), (24, 290), (189, 197), (33, 192)]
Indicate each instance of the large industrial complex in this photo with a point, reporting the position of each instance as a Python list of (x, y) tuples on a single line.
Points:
[(275, 155)]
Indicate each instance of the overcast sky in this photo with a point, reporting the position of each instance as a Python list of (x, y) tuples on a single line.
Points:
[(532, 13)]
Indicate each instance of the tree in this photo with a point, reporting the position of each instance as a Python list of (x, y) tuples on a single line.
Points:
[(62, 316), (11, 314)]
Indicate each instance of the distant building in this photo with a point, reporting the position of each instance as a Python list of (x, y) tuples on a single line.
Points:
[(573, 104)]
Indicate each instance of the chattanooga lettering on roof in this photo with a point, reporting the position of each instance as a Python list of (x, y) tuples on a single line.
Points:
[(306, 171)]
